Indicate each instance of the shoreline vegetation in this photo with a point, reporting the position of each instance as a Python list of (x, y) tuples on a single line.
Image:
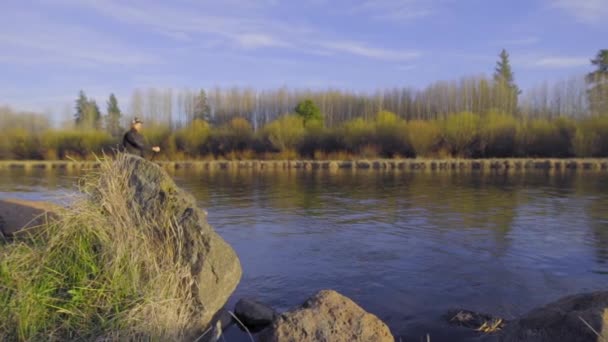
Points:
[(463, 135), (404, 165), (474, 117)]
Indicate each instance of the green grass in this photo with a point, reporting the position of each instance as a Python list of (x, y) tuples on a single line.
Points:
[(102, 269)]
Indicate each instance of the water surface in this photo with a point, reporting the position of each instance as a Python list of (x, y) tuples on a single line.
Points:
[(405, 246)]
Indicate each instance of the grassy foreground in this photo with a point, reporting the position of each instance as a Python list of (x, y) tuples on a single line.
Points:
[(101, 270)]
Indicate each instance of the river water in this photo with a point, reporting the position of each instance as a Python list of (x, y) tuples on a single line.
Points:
[(405, 246)]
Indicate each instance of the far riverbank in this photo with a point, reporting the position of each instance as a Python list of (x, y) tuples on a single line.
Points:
[(510, 164)]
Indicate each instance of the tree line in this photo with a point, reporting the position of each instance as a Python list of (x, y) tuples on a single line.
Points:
[(470, 117)]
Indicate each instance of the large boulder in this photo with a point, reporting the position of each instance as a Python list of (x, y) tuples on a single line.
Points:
[(212, 262), (582, 317), (327, 316)]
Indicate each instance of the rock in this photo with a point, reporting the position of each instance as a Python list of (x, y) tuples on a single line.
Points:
[(2, 225), (327, 316), (212, 261), (572, 318), (16, 215), (254, 315), (224, 318)]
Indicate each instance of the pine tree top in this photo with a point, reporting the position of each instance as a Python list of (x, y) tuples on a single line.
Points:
[(601, 61), (503, 70)]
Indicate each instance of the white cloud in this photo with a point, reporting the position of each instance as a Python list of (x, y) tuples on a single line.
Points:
[(540, 61), (586, 11), (256, 40), (30, 39), (397, 10), (359, 49), (519, 41), (187, 24), (561, 62), (406, 67), (184, 23)]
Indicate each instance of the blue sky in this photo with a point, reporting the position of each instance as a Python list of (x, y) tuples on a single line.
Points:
[(53, 48)]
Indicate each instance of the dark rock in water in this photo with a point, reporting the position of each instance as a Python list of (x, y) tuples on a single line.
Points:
[(2, 225), (225, 318), (475, 320), (327, 316), (153, 194), (221, 322), (20, 215), (254, 315), (578, 318)]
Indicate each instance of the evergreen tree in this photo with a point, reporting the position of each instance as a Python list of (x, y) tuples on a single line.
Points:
[(597, 91), (87, 112), (114, 115), (201, 107), (308, 111), (81, 105), (506, 89)]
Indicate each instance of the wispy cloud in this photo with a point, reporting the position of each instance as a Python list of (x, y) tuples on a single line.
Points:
[(519, 41), (539, 61), (397, 10), (257, 40), (586, 11), (406, 67), (561, 62), (359, 49), (187, 24), (28, 39), (183, 23)]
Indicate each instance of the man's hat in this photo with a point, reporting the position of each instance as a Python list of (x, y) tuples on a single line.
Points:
[(136, 121)]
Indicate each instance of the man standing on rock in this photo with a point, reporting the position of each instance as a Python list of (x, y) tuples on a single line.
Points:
[(133, 141)]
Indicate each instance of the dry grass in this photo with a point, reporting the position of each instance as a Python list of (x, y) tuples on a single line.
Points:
[(103, 270), (492, 326), (479, 322)]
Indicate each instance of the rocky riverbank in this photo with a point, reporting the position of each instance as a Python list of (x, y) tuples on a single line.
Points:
[(329, 316)]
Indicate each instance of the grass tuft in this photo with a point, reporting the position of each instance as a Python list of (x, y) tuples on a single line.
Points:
[(492, 326), (103, 270)]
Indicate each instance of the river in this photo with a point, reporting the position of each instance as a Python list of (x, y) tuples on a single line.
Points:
[(405, 246)]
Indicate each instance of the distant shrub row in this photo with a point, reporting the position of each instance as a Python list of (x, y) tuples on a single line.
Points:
[(491, 135)]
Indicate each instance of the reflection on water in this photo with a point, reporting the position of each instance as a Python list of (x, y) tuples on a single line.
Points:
[(407, 247)]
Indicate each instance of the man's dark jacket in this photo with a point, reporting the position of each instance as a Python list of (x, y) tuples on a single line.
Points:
[(134, 143)]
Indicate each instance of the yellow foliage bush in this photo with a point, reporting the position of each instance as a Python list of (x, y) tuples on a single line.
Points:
[(591, 137), (285, 133), (497, 135), (460, 132), (192, 138), (423, 136)]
